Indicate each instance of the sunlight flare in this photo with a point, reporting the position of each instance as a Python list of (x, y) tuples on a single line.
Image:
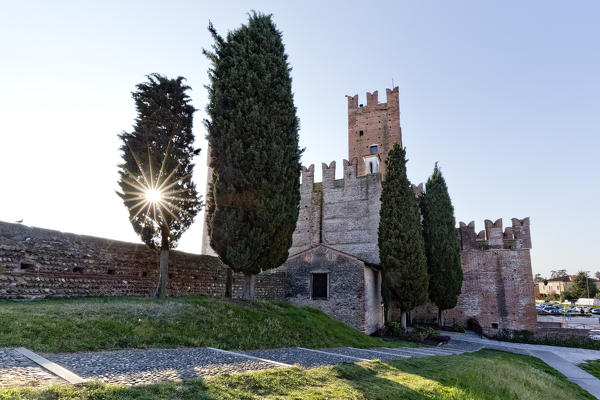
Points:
[(153, 195)]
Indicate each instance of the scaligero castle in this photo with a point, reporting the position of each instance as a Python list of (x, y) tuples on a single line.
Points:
[(333, 263)]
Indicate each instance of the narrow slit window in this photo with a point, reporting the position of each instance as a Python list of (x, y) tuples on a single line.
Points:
[(319, 286), (361, 133), (27, 265)]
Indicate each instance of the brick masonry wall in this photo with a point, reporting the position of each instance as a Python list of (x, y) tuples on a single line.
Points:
[(38, 262), (497, 290), (380, 124), (497, 277)]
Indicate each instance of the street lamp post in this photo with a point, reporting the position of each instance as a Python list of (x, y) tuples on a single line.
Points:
[(587, 283)]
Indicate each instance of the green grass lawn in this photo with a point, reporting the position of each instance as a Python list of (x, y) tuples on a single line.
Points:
[(592, 366), (486, 374), (66, 325)]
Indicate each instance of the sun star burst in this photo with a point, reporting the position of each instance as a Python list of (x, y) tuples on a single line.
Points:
[(152, 194)]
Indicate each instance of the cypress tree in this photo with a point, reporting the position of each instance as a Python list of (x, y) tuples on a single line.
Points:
[(400, 237), (156, 173), (253, 136), (442, 247)]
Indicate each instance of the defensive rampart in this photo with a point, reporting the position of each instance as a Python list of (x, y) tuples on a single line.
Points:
[(38, 262), (342, 213), (497, 286)]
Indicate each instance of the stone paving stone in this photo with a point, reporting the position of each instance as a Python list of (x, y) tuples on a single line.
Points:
[(410, 352), (146, 366), (134, 367), (17, 370), (362, 353), (304, 358)]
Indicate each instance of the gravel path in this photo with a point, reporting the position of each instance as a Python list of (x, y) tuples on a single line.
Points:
[(138, 367), (17, 370)]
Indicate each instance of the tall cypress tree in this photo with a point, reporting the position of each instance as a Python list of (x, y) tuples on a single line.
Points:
[(156, 174), (253, 135), (442, 247), (400, 236)]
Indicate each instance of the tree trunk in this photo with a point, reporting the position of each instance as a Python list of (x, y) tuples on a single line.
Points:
[(249, 283), (387, 312), (228, 282), (440, 318), (403, 320), (161, 289), (163, 273)]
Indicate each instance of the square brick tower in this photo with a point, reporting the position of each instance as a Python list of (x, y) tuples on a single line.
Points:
[(372, 130)]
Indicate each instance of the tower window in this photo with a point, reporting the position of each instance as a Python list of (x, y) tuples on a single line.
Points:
[(373, 149), (319, 286), (371, 164), (361, 133)]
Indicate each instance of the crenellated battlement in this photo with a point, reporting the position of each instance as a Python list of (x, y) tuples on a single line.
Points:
[(328, 173), (372, 99), (418, 189), (308, 178), (515, 237), (373, 129), (343, 213)]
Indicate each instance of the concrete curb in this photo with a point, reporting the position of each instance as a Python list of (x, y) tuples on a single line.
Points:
[(52, 367)]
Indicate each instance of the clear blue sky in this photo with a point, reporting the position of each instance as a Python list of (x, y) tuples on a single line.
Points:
[(505, 95)]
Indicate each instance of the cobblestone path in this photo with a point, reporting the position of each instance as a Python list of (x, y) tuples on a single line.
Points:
[(137, 367)]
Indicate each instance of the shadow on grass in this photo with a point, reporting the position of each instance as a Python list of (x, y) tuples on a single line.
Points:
[(483, 375), (367, 381), (486, 374)]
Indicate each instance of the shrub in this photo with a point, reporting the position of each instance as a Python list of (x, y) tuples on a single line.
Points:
[(395, 329), (416, 334), (524, 336), (515, 335), (456, 327), (422, 333)]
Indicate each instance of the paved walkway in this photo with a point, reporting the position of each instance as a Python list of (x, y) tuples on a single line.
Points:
[(135, 367), (563, 359), (146, 366)]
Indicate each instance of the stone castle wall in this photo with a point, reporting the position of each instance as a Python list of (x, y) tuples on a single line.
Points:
[(38, 262), (497, 290), (497, 277), (342, 213)]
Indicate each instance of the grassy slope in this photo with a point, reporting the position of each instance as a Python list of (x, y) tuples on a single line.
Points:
[(65, 325), (592, 366), (483, 375)]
